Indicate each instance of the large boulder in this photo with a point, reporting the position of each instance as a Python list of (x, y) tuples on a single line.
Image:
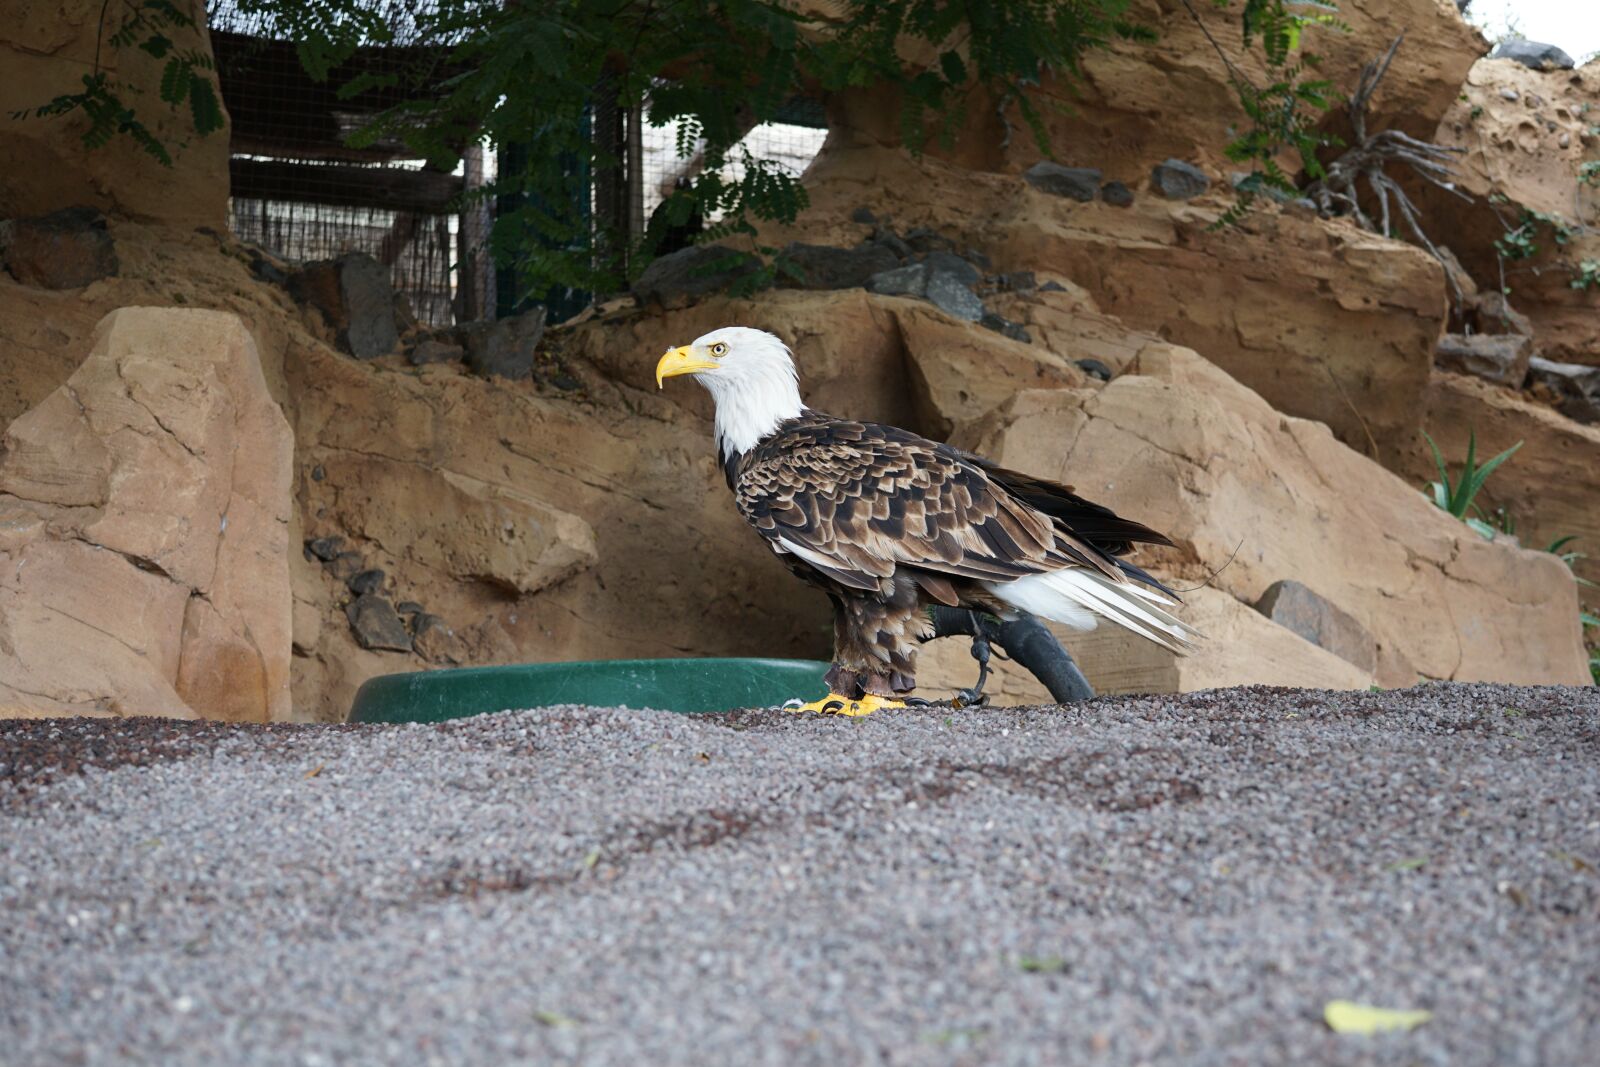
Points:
[(1252, 497), (357, 300), (66, 249), (144, 520), (45, 52)]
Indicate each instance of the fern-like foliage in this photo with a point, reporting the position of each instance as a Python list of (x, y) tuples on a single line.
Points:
[(531, 78), (1283, 114)]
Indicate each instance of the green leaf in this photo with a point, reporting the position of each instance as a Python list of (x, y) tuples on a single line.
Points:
[(203, 105), (955, 71), (157, 45), (175, 78), (1481, 475), (1042, 964), (1441, 495), (1345, 1017), (1438, 460)]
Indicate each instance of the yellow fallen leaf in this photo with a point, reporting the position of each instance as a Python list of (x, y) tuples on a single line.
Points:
[(1344, 1017)]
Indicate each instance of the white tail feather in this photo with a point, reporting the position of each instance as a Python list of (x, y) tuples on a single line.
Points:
[(1075, 596)]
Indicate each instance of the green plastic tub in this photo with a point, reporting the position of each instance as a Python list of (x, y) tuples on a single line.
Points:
[(684, 685)]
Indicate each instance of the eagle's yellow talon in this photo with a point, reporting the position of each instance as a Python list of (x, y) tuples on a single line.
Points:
[(834, 704)]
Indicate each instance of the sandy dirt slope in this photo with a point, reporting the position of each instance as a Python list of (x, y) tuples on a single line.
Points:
[(1135, 880)]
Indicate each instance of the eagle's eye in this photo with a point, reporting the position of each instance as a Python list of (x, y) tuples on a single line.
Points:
[(719, 350)]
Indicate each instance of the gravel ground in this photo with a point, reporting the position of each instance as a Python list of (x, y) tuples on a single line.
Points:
[(1153, 880)]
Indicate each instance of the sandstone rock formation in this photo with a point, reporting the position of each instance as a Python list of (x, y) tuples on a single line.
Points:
[(526, 521), (45, 50), (1234, 482), (144, 519), (1525, 134), (1325, 320), (567, 509), (1139, 103), (1551, 487)]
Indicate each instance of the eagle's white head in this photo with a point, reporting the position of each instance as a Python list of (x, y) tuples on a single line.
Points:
[(752, 380)]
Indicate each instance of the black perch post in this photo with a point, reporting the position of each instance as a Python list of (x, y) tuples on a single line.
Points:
[(1025, 640)]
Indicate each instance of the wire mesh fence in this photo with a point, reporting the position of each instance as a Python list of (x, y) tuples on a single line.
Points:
[(302, 191)]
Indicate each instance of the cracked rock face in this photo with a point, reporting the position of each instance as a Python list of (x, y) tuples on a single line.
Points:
[(144, 520), (1252, 497)]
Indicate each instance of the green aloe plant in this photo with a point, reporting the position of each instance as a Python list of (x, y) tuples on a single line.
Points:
[(1456, 497), (1571, 557)]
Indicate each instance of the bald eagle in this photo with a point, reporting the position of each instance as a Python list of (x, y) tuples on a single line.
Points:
[(888, 523)]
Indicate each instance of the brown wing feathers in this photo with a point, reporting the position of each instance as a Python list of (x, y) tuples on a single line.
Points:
[(1091, 522), (858, 501)]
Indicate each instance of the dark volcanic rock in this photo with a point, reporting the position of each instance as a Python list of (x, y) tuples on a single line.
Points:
[(433, 351), (376, 625), (355, 295), (676, 280), (864, 216), (1078, 183), (65, 249), (946, 293), (1177, 180), (369, 328), (824, 267), (1117, 194), (504, 348), (1094, 368), (893, 242), (953, 265), (1005, 327), (267, 270), (363, 582), (1295, 607), (910, 280), (1533, 54), (1021, 281), (325, 548)]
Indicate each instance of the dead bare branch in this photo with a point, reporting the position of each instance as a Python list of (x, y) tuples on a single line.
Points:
[(1338, 192)]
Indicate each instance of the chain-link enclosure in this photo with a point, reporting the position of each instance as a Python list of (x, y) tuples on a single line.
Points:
[(302, 192)]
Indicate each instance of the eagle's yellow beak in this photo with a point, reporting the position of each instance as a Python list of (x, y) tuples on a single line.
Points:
[(682, 360)]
